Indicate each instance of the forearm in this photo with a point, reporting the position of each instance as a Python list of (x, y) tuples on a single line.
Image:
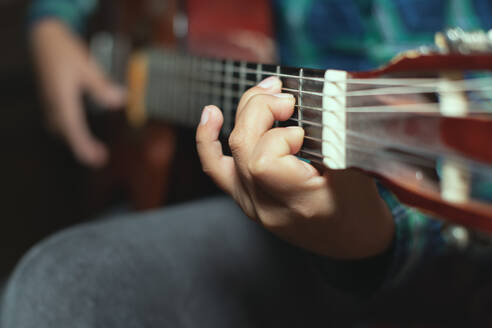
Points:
[(358, 222)]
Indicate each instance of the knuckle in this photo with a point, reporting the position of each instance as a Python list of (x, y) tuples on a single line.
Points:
[(207, 170), (199, 141), (236, 140), (258, 99), (304, 210), (201, 149), (248, 93), (258, 167)]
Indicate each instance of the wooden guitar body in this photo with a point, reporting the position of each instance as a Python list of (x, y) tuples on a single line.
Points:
[(153, 163)]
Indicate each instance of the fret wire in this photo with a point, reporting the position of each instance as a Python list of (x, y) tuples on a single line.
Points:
[(193, 66), (152, 86), (218, 79), (204, 90), (300, 96), (174, 85), (188, 86), (175, 109), (203, 99), (259, 68), (169, 93), (228, 96), (174, 98), (278, 74), (160, 83), (242, 79), (196, 71), (173, 76), (182, 80)]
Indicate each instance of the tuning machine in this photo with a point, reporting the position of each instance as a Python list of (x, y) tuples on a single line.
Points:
[(456, 40)]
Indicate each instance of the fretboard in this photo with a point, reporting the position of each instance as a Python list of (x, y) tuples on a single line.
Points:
[(179, 86)]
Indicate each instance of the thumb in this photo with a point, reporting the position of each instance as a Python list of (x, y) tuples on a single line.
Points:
[(101, 89), (219, 167)]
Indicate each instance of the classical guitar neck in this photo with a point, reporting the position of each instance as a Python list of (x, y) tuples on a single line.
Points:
[(403, 123), (173, 87)]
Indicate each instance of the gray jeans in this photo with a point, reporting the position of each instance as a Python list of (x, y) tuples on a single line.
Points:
[(195, 265)]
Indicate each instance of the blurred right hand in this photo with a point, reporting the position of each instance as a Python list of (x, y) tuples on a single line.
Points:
[(66, 71)]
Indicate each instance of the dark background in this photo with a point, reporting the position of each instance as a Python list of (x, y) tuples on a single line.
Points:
[(42, 187)]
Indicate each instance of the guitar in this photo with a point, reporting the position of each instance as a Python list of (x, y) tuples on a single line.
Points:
[(420, 125)]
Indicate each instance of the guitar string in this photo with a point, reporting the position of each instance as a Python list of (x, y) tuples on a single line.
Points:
[(382, 153), (382, 142), (212, 90), (355, 109), (424, 107), (403, 158), (420, 163), (476, 84), (417, 84), (411, 82), (397, 108), (248, 81), (219, 65), (423, 150), (363, 92), (364, 137), (319, 159)]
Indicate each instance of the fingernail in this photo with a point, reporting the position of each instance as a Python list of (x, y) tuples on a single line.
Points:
[(268, 83), (283, 95), (205, 115)]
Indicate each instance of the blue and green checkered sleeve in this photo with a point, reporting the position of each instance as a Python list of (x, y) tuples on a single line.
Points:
[(72, 12), (417, 237)]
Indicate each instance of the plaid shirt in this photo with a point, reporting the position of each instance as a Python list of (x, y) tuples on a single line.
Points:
[(349, 35)]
